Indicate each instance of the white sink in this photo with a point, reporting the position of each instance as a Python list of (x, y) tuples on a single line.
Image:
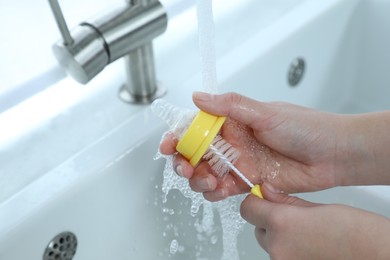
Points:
[(90, 168)]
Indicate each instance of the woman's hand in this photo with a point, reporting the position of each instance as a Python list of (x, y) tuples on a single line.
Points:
[(291, 228), (295, 148)]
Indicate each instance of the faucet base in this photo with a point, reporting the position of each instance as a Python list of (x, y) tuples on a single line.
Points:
[(128, 97)]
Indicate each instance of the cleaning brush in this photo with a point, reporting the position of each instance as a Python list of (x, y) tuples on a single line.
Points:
[(198, 138), (221, 156)]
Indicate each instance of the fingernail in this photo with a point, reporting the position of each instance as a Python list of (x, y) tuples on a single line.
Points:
[(202, 96), (179, 170), (205, 183), (270, 188)]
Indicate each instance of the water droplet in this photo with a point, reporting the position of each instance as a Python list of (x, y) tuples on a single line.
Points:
[(174, 247), (168, 211), (194, 210), (157, 156)]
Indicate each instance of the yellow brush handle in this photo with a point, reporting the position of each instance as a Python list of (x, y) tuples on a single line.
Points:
[(256, 190)]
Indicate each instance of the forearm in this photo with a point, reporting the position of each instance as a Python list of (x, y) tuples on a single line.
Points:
[(366, 152)]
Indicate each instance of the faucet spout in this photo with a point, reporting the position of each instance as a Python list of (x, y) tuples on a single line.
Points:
[(126, 31)]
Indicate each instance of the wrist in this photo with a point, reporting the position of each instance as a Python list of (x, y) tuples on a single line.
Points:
[(364, 149)]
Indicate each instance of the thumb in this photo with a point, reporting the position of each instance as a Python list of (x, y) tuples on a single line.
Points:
[(242, 109), (275, 196), (257, 211)]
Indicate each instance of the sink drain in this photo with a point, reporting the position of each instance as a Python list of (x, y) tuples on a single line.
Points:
[(296, 71), (61, 247)]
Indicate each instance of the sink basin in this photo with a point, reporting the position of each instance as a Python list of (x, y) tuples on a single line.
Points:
[(93, 172)]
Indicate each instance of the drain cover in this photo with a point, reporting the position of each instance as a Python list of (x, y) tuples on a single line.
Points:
[(296, 71), (61, 247)]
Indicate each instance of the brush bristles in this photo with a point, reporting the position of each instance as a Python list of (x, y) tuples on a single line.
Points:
[(221, 156)]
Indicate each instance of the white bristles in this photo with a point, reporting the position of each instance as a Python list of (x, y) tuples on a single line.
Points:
[(221, 149), (221, 157)]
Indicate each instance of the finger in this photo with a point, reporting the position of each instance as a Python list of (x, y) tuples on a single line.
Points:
[(182, 167), (273, 195), (237, 107), (168, 144), (216, 195), (202, 180), (227, 186), (257, 211)]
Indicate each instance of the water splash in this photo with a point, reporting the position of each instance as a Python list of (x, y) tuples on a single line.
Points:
[(205, 225), (228, 210), (232, 225)]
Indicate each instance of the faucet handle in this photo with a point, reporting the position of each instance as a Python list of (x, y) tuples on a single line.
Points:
[(82, 52), (59, 17), (89, 47)]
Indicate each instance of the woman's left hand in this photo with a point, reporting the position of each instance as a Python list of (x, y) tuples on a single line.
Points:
[(290, 228)]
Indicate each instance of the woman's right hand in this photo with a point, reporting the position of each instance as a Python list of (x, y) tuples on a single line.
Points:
[(291, 228)]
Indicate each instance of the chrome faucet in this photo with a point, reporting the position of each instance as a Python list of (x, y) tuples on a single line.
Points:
[(125, 31)]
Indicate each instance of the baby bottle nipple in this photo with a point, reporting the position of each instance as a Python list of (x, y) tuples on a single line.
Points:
[(194, 130), (198, 137), (178, 119)]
